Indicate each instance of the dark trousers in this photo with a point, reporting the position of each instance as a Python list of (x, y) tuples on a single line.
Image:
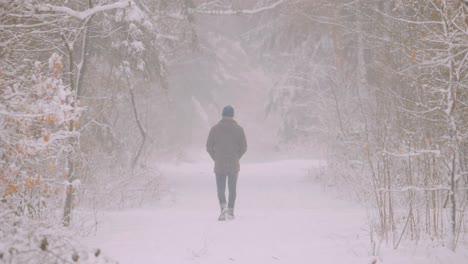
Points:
[(232, 186)]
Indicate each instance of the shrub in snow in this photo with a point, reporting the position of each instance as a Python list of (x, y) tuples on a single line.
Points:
[(36, 137), (24, 240)]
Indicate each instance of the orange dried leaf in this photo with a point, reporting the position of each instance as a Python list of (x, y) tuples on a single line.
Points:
[(30, 183), (413, 56), (52, 166), (51, 119), (12, 189), (19, 149), (46, 138), (58, 65)]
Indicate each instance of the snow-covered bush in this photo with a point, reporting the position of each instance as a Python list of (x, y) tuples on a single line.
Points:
[(35, 139), (24, 240), (390, 82)]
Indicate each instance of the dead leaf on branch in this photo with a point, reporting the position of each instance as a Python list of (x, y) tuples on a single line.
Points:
[(12, 189), (413, 56)]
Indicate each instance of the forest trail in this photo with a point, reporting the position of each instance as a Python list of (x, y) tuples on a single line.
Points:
[(282, 217)]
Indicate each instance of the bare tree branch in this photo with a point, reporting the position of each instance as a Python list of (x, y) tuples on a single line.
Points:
[(83, 14), (236, 12)]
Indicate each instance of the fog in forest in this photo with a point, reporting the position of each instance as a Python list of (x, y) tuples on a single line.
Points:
[(243, 131)]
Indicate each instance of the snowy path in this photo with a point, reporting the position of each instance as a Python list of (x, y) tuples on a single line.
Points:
[(282, 217)]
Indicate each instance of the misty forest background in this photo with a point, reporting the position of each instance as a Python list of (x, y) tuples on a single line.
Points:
[(93, 93)]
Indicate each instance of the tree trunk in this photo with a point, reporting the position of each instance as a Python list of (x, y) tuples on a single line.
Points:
[(140, 127), (76, 89), (67, 211)]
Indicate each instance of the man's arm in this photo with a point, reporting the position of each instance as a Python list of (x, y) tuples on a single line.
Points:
[(210, 144), (243, 144)]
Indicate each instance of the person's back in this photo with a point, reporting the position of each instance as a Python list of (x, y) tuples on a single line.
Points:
[(226, 144), (228, 140)]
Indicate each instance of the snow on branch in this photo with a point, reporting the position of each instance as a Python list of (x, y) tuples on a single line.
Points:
[(414, 22), (26, 25), (411, 154), (83, 14), (21, 115), (236, 12), (415, 188)]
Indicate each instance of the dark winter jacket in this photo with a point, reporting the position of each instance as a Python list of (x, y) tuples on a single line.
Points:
[(226, 144)]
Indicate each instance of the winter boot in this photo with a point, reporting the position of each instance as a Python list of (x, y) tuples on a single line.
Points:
[(223, 214), (230, 214)]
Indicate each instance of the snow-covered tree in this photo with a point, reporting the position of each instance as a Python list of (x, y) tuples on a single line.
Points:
[(385, 85)]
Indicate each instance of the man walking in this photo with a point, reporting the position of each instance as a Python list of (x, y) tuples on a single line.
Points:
[(226, 144)]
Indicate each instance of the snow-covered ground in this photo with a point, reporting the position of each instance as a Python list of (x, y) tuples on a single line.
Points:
[(282, 217)]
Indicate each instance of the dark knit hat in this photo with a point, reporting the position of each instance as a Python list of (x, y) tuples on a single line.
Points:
[(228, 111)]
